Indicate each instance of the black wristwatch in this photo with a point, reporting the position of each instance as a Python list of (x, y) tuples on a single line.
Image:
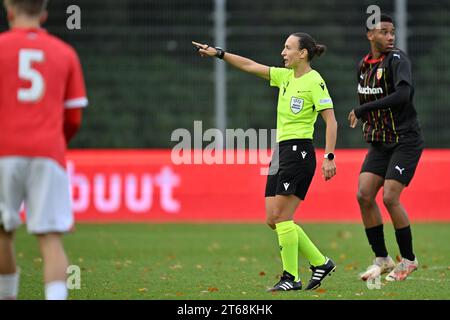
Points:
[(329, 156), (220, 52)]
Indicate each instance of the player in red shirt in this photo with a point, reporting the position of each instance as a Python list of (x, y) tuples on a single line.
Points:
[(42, 93)]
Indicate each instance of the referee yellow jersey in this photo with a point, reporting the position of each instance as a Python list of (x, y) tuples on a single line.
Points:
[(299, 102)]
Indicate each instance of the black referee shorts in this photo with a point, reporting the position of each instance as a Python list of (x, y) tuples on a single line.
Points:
[(396, 161), (291, 169)]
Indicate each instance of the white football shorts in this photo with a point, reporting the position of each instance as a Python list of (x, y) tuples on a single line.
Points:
[(43, 186)]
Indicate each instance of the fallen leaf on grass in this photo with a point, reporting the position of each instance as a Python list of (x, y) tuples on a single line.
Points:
[(390, 294), (213, 246), (179, 294), (320, 290), (212, 289), (262, 273), (344, 234), (143, 290), (349, 267)]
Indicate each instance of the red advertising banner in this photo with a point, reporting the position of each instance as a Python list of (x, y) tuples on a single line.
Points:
[(145, 185)]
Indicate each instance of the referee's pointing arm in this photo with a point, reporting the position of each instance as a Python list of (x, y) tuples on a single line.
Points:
[(236, 61)]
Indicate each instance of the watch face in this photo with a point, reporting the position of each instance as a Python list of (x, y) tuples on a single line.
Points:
[(330, 156)]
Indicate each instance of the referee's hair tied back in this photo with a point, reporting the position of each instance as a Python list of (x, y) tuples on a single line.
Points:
[(320, 48), (307, 42)]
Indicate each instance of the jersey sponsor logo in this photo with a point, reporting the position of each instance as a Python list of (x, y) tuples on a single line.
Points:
[(296, 105), (361, 76), (396, 55), (379, 73), (286, 185), (325, 101), (322, 85), (304, 153), (369, 90)]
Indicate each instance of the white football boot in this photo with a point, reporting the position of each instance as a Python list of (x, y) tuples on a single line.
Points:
[(380, 266), (403, 270)]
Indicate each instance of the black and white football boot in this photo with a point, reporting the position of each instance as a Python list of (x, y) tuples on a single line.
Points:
[(319, 273), (286, 283)]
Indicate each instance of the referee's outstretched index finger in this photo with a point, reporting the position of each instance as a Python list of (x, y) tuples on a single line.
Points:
[(198, 45)]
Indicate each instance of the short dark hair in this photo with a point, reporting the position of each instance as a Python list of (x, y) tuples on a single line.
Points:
[(305, 41), (29, 7), (383, 18)]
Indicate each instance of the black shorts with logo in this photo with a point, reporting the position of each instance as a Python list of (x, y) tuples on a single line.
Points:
[(291, 169), (397, 161)]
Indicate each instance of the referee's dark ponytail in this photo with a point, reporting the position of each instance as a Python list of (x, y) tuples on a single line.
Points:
[(307, 42), (320, 48)]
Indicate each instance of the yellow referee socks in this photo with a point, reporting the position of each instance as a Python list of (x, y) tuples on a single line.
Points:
[(308, 249), (288, 240)]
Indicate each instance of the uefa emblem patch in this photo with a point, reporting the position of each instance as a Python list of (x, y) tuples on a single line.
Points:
[(296, 105), (379, 73)]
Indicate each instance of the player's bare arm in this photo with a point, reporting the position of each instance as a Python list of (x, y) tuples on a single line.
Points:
[(328, 165), (241, 63)]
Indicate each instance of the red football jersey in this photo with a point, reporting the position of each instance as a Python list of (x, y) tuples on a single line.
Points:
[(40, 75)]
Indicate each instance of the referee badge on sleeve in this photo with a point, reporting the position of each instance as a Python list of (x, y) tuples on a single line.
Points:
[(296, 105)]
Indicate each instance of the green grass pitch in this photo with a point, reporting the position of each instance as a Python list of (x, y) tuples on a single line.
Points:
[(228, 261)]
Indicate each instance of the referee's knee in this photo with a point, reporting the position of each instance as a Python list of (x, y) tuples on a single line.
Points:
[(273, 218), (271, 225), (270, 221)]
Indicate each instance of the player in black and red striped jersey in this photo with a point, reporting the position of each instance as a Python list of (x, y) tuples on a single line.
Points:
[(390, 126)]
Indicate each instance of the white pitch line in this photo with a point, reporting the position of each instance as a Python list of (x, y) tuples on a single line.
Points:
[(428, 279)]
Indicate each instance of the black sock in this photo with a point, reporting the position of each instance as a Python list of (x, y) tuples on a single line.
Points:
[(376, 240), (404, 240)]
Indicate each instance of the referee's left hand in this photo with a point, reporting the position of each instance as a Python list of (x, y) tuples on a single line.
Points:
[(328, 169)]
